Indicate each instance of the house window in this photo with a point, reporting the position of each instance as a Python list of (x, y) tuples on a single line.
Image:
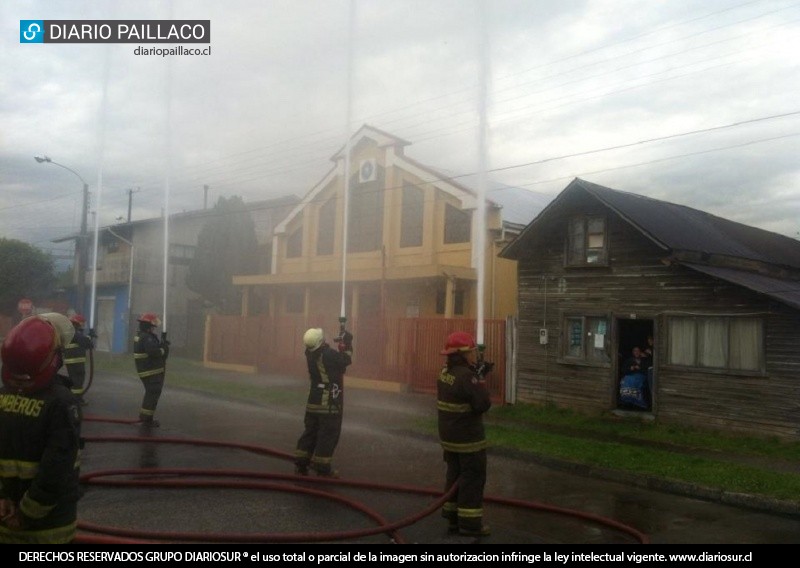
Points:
[(457, 225), (458, 302), (365, 222), (294, 244), (586, 339), (295, 302), (587, 242), (325, 227), (181, 254), (716, 343), (411, 217)]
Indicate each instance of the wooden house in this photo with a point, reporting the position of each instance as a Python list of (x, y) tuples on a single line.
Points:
[(600, 270)]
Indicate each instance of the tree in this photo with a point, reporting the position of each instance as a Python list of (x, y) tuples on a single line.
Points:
[(227, 245), (25, 272)]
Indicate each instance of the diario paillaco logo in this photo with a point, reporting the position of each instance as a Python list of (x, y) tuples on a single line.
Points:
[(31, 31), (115, 31)]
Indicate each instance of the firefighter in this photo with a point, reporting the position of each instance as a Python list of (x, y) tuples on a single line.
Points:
[(39, 441), (150, 355), (75, 356), (323, 415), (462, 399)]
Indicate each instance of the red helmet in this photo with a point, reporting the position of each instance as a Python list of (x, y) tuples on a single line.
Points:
[(78, 320), (458, 341), (149, 317), (31, 354)]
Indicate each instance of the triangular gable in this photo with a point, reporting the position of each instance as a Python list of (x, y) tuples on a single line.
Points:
[(466, 197)]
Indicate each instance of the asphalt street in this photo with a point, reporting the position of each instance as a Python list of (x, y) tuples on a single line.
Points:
[(220, 471)]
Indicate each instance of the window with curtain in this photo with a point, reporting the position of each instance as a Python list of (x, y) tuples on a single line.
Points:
[(734, 343), (411, 216), (457, 225), (586, 339), (587, 242), (326, 226)]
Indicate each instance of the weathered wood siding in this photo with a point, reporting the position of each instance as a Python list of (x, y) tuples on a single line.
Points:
[(638, 282)]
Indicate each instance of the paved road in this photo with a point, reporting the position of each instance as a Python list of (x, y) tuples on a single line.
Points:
[(528, 503)]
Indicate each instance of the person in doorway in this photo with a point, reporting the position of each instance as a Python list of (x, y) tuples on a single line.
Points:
[(39, 435), (325, 404), (462, 400), (634, 363), (75, 357), (150, 356)]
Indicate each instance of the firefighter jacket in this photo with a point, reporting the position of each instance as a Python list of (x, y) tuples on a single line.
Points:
[(75, 358), (39, 453), (326, 367), (150, 354), (461, 401)]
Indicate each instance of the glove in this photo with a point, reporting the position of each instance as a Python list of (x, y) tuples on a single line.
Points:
[(346, 342), (92, 333), (484, 368)]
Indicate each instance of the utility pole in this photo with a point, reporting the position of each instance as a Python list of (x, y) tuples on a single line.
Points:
[(82, 241), (130, 202)]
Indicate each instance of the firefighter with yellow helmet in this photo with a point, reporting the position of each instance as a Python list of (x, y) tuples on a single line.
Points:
[(150, 356), (39, 435), (323, 416), (462, 399)]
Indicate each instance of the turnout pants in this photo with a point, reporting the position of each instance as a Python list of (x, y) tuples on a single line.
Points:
[(465, 509), (153, 386), (318, 441)]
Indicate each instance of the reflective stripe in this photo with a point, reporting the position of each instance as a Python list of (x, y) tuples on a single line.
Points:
[(452, 407), (470, 513), (18, 468), (322, 408), (320, 460), (59, 535), (145, 374), (146, 412), (77, 391), (449, 507), (75, 360), (464, 448), (34, 509), (140, 355)]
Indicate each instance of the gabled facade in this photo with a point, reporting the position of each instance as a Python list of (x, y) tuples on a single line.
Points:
[(600, 270), (410, 244)]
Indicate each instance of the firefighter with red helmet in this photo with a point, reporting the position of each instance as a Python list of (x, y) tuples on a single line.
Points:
[(462, 399), (150, 356), (75, 356), (39, 435), (323, 416)]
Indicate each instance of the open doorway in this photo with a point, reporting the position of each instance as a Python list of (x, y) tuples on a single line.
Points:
[(635, 364)]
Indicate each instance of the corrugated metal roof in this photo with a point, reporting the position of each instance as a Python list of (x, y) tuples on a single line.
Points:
[(682, 228), (786, 291)]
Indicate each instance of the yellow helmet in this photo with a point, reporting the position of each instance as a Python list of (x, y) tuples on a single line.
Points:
[(313, 338)]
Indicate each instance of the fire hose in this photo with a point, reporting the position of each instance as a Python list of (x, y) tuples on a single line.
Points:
[(239, 479)]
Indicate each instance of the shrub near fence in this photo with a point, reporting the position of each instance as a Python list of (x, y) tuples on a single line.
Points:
[(405, 350)]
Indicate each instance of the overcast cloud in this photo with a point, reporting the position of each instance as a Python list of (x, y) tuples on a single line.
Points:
[(710, 89)]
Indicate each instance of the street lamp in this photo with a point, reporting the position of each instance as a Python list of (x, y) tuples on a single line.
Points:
[(80, 242)]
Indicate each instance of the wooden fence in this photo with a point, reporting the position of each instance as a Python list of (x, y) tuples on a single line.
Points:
[(404, 351)]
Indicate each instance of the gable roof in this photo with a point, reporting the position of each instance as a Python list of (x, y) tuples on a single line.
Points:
[(676, 227), (450, 184)]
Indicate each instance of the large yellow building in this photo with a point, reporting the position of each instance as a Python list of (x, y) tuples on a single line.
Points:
[(410, 241)]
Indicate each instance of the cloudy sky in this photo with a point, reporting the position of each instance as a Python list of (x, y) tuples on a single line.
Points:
[(687, 101)]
